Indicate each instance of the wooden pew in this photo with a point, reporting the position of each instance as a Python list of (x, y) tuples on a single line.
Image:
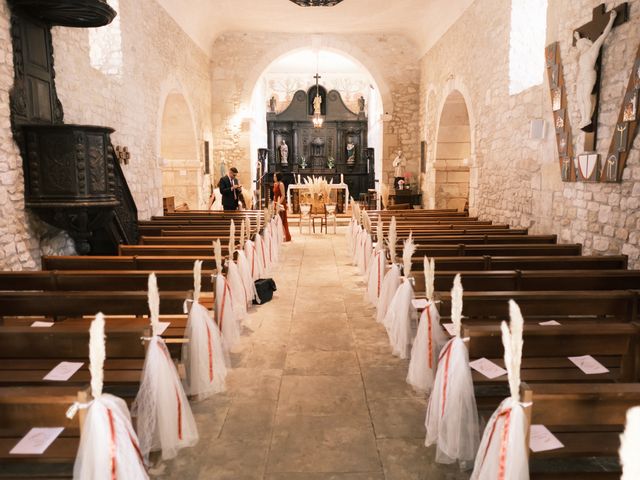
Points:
[(23, 408), (534, 280), (153, 263), (547, 348), (116, 280), (482, 306), (68, 304), (586, 418)]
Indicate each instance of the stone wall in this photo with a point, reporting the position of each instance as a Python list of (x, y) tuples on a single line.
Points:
[(514, 178), (158, 58), (239, 59)]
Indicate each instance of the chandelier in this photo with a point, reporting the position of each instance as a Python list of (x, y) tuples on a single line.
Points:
[(316, 3), (318, 120)]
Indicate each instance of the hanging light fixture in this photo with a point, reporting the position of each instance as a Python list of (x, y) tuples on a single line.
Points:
[(318, 119), (316, 3)]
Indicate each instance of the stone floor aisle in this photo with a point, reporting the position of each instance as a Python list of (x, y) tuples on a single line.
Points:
[(314, 393)]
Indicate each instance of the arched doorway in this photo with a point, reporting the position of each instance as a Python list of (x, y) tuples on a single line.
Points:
[(181, 171), (453, 152)]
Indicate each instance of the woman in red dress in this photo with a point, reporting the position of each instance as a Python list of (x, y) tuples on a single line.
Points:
[(280, 203)]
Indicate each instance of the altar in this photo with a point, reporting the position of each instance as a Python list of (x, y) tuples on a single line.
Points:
[(339, 195)]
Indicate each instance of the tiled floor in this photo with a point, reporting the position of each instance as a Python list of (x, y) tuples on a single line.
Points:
[(314, 393)]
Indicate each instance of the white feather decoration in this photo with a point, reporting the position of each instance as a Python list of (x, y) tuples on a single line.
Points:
[(153, 298), (259, 223), (407, 252), (456, 305), (97, 353), (267, 216), (197, 279), (429, 276), (247, 230), (217, 253), (512, 342), (630, 446), (392, 239), (379, 234), (366, 220), (232, 239), (242, 233)]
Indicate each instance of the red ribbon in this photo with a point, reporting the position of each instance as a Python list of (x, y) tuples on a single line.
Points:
[(430, 338), (447, 353), (210, 353), (224, 298), (379, 268), (264, 258), (179, 414), (503, 442), (112, 445)]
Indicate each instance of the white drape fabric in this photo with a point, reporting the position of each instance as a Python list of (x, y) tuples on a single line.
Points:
[(377, 269), (399, 318), (390, 284), (225, 317)]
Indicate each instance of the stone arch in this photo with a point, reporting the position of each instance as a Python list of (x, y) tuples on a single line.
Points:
[(351, 52), (455, 154), (456, 83), (178, 147)]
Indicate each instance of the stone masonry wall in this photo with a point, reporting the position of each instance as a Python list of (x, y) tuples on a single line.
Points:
[(158, 58), (514, 178), (240, 58)]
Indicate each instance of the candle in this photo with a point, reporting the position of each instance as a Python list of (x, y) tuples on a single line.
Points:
[(342, 178)]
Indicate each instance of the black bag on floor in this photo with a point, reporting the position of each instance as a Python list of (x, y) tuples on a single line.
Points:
[(265, 288)]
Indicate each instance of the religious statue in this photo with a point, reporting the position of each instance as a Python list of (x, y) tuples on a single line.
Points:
[(351, 153), (317, 102), (272, 104), (588, 53), (284, 153), (361, 104), (399, 164)]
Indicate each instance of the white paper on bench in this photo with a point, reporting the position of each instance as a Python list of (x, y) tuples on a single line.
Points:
[(419, 303), (36, 441), (63, 371), (487, 368), (542, 440), (39, 324), (550, 323), (449, 328), (589, 365), (163, 327)]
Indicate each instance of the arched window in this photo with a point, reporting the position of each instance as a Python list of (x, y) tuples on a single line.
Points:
[(105, 45), (526, 44)]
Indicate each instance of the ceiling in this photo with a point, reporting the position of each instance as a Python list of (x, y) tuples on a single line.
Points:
[(423, 21)]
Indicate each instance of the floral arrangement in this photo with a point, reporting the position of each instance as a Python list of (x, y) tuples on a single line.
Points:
[(331, 162), (302, 162)]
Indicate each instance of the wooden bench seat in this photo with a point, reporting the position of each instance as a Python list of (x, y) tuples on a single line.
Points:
[(147, 263), (75, 303), (613, 304), (586, 418), (117, 280), (529, 280)]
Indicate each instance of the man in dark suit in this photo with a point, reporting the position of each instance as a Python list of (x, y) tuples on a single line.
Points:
[(230, 190)]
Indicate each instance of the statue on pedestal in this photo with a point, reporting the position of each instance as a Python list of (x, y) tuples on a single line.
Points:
[(284, 153), (399, 165), (272, 104)]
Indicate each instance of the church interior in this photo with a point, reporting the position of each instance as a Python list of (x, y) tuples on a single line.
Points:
[(319, 239)]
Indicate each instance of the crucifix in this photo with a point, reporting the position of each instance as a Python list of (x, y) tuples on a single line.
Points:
[(589, 39)]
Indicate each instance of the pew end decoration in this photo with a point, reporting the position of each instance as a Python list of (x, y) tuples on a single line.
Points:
[(429, 339), (630, 446), (503, 448), (401, 312), (392, 239), (164, 419), (225, 315), (203, 355), (108, 443), (452, 417)]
